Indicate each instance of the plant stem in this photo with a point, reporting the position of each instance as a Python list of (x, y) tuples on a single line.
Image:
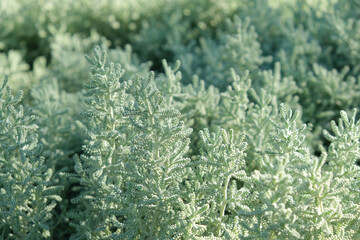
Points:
[(223, 203)]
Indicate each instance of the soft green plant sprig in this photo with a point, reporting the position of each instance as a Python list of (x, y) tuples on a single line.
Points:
[(156, 168), (191, 218), (322, 208), (199, 106), (271, 215), (220, 164), (135, 150), (283, 87), (98, 168), (56, 113), (26, 194), (257, 125), (344, 148), (326, 187), (288, 138), (343, 154), (169, 84), (328, 92), (235, 101)]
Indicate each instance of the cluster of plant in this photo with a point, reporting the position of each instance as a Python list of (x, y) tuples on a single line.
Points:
[(159, 119)]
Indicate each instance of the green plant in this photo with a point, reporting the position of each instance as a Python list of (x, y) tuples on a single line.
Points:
[(27, 195), (197, 119)]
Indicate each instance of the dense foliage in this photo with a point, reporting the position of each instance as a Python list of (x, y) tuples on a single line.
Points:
[(160, 119)]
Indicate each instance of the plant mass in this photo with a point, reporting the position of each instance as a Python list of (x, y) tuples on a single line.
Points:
[(142, 120)]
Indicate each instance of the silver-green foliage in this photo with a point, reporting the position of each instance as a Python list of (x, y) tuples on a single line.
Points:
[(26, 194), (157, 165), (99, 168), (236, 46), (258, 182), (221, 164), (251, 169), (135, 150)]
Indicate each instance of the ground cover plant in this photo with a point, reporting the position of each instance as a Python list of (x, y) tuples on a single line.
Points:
[(183, 119)]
